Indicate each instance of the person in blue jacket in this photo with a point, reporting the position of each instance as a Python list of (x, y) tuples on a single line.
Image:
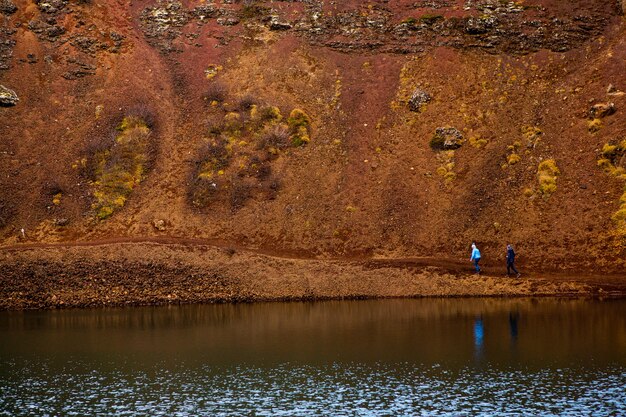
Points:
[(510, 261), (475, 257)]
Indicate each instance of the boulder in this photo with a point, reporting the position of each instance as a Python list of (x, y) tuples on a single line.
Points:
[(7, 97), (418, 99), (600, 110), (446, 138)]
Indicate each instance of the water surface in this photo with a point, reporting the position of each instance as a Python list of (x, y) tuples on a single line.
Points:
[(431, 357)]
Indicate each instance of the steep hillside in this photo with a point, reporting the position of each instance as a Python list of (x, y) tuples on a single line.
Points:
[(316, 128)]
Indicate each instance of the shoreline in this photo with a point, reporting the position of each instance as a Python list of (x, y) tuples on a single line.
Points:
[(108, 274)]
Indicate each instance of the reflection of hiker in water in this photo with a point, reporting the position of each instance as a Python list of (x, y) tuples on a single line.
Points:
[(479, 331), (510, 261), (513, 325), (475, 257)]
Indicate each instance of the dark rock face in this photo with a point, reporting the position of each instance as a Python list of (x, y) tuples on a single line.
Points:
[(492, 25), (418, 99), (7, 97)]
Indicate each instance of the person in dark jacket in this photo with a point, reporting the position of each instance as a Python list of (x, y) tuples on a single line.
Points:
[(510, 261)]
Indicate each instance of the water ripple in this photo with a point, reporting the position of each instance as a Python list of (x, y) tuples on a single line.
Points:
[(337, 389)]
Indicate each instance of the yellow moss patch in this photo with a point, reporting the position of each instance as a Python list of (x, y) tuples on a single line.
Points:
[(299, 123), (121, 168), (610, 157), (531, 135), (547, 174), (513, 159), (594, 125), (212, 70), (446, 169), (478, 142)]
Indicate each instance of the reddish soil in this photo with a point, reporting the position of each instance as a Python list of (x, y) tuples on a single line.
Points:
[(361, 210)]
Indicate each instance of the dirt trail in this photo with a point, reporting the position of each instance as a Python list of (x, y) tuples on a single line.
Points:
[(452, 266), (160, 270)]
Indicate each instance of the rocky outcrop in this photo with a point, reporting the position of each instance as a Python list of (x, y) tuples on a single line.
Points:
[(7, 97)]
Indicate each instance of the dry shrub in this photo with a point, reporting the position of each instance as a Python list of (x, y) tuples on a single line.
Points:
[(215, 92), (246, 102), (263, 171), (204, 191), (142, 111), (240, 193), (274, 138), (213, 158), (266, 114), (273, 187)]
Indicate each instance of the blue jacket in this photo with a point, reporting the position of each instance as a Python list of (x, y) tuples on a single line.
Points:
[(475, 254)]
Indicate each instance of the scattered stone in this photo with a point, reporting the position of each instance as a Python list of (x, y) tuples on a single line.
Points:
[(276, 24), (479, 25), (46, 30), (61, 222), (86, 44), (159, 225), (81, 70), (446, 138), (227, 21), (418, 99), (7, 7), (205, 12), (600, 110), (613, 91), (51, 6), (7, 97)]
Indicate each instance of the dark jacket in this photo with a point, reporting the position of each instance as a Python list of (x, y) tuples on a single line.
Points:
[(510, 255)]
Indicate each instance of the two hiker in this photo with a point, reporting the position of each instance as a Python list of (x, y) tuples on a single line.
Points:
[(510, 260)]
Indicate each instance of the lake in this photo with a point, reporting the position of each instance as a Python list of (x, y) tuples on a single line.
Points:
[(424, 357)]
